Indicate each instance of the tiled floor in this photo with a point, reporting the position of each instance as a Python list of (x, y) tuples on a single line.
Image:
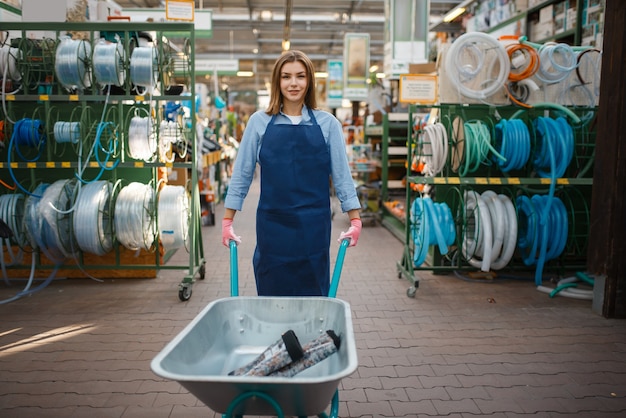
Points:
[(82, 348)]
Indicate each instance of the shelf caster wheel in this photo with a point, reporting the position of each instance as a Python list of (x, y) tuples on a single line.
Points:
[(202, 271), (184, 294), (410, 292)]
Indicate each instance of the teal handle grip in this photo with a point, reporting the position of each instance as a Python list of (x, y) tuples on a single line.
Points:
[(341, 255), (234, 269)]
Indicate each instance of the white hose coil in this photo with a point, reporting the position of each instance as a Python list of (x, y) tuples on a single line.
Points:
[(169, 133), (556, 62), (490, 237), (144, 66), (477, 64), (510, 235), (173, 217), (32, 220), (477, 241), (108, 63), (142, 142), (67, 132), (12, 213), (135, 219), (434, 148), (55, 201), (70, 63), (93, 226), (8, 63), (40, 234)]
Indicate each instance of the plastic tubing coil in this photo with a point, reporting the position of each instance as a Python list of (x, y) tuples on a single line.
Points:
[(142, 143), (491, 244), (144, 66), (541, 229), (108, 63), (522, 54), (468, 65), (173, 210), (431, 224), (555, 146), (557, 60), (26, 133), (512, 141), (57, 198), (135, 220), (477, 147), (434, 148), (93, 225), (66, 132), (70, 63)]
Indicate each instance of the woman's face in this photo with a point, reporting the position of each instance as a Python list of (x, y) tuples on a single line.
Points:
[(293, 82)]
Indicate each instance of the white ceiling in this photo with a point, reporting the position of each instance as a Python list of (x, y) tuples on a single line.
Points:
[(316, 27)]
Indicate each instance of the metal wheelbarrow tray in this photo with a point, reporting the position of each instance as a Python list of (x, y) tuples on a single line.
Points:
[(231, 332)]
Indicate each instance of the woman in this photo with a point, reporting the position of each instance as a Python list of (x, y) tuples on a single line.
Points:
[(299, 149)]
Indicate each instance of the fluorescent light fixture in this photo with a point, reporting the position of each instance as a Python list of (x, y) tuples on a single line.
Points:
[(453, 14), (245, 73), (321, 74), (266, 15)]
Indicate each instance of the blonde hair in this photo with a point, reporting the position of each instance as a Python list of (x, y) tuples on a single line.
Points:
[(276, 97)]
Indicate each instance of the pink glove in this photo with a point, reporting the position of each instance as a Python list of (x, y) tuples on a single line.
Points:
[(228, 233), (352, 233)]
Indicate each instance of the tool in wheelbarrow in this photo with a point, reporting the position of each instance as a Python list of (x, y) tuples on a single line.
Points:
[(231, 332), (287, 357)]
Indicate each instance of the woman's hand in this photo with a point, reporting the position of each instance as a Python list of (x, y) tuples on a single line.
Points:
[(353, 233), (228, 233)]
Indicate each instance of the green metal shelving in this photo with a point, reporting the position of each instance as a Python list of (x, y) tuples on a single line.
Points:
[(41, 96), (575, 189)]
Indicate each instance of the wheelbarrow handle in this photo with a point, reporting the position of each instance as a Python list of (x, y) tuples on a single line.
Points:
[(341, 255), (334, 283), (234, 269)]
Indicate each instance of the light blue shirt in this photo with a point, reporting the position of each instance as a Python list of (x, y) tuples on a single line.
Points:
[(248, 157)]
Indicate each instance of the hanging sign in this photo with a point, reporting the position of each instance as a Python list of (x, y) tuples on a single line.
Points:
[(418, 88), (334, 83), (356, 58), (179, 10)]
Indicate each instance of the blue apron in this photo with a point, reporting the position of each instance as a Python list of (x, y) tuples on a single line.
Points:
[(292, 256)]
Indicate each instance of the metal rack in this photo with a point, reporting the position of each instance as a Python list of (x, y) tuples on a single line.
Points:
[(448, 186), (40, 94)]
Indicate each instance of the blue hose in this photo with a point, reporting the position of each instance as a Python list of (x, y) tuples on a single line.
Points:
[(431, 224), (512, 141)]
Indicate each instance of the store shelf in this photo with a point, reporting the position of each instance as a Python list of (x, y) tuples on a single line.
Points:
[(448, 188), (43, 95)]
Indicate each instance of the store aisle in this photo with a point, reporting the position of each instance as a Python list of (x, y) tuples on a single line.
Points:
[(82, 348)]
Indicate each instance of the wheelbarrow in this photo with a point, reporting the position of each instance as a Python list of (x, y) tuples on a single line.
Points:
[(231, 332)]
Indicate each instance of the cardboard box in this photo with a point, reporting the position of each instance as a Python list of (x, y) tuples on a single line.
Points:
[(546, 14), (428, 68), (177, 176), (559, 23), (541, 31)]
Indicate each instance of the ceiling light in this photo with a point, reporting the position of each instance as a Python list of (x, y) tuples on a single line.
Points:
[(245, 73), (321, 74), (286, 44), (453, 14), (266, 15)]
